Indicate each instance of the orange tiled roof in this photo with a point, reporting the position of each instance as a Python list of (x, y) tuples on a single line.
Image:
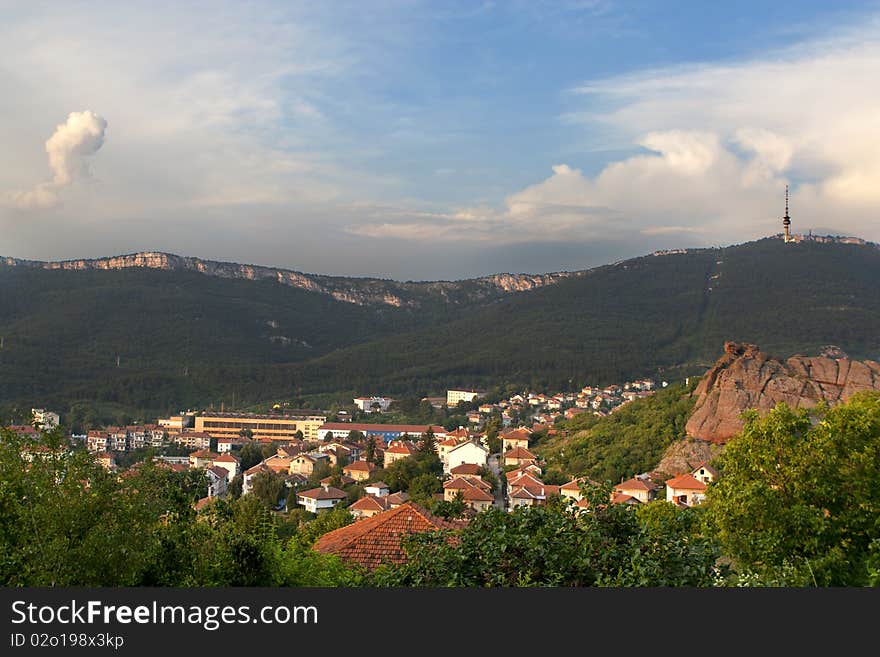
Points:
[(519, 453), (686, 482), (369, 503), (466, 469), (636, 484), (360, 466), (377, 540), (322, 493)]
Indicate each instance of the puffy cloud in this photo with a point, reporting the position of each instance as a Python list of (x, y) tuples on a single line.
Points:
[(69, 148), (713, 148)]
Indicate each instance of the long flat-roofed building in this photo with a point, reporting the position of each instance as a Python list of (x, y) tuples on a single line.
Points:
[(274, 427), (387, 432)]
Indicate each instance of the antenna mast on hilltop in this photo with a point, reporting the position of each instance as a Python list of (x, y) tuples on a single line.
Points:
[(786, 220)]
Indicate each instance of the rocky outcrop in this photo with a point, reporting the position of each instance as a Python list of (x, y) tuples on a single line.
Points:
[(746, 378), (683, 456), (360, 291)]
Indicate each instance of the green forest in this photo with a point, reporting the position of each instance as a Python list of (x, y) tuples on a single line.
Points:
[(797, 504), (630, 440), (148, 342)]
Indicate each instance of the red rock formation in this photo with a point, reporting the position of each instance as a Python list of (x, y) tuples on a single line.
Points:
[(745, 378)]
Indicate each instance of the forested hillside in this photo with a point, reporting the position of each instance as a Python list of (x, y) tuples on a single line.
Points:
[(186, 339)]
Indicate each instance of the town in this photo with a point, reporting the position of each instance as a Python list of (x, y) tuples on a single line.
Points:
[(316, 462)]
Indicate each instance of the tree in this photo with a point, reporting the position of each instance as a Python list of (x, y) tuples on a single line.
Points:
[(553, 545), (267, 487), (370, 450), (799, 496), (428, 442)]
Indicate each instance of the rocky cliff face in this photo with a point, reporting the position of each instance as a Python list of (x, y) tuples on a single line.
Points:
[(746, 378), (360, 291)]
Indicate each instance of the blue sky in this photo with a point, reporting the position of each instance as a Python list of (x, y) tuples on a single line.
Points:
[(420, 140)]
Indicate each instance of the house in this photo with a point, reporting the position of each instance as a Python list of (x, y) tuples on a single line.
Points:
[(516, 438), (623, 498), (474, 495), (686, 490), (519, 456), (474, 417), (643, 489), (278, 463), (368, 506), (202, 458), (373, 541), (318, 500), (224, 445), (377, 489), (344, 480), (359, 470), (444, 446), (467, 470), (249, 475), (572, 489), (218, 480), (305, 463), (96, 441), (397, 450), (526, 489), (705, 473), (467, 452), (229, 462), (396, 499)]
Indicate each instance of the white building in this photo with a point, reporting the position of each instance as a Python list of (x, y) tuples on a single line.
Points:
[(371, 404), (455, 396), (229, 463), (321, 499), (467, 452), (218, 479)]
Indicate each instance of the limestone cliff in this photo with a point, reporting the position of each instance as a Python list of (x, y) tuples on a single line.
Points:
[(746, 378), (360, 291)]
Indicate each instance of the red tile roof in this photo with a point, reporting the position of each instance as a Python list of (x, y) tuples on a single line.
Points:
[(413, 429), (466, 469), (377, 540), (322, 493), (398, 498), (360, 466), (370, 503), (519, 453), (686, 482), (636, 484)]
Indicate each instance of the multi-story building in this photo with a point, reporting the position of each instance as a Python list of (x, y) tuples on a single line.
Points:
[(468, 395), (261, 427), (387, 432), (371, 404)]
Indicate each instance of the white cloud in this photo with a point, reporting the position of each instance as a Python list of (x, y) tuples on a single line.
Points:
[(69, 148), (718, 144)]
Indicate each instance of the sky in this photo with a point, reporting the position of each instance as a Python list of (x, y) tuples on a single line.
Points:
[(433, 140)]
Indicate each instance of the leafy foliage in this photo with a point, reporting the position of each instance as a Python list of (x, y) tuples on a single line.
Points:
[(630, 440), (553, 545), (799, 500)]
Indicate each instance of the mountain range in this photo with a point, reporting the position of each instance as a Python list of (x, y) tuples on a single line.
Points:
[(154, 332)]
